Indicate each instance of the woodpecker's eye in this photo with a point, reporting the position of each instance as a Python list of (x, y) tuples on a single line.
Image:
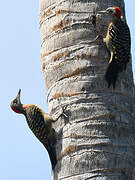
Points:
[(15, 101)]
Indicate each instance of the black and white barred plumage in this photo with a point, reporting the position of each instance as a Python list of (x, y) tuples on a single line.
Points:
[(40, 124), (118, 43)]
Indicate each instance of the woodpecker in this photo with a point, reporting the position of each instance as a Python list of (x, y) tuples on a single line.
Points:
[(40, 124), (118, 43)]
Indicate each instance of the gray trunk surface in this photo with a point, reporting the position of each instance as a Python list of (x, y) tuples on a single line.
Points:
[(97, 139)]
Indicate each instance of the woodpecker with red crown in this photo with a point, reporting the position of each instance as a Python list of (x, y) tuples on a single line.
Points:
[(40, 124), (118, 42)]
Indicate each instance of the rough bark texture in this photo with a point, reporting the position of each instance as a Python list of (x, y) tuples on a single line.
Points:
[(97, 140)]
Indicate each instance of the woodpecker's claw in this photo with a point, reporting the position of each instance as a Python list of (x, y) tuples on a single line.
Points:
[(62, 113), (63, 109), (98, 39)]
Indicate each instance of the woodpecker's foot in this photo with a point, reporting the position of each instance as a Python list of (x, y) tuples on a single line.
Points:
[(62, 113), (98, 39)]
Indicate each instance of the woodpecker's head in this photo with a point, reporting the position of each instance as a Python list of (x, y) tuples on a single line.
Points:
[(16, 104), (113, 11)]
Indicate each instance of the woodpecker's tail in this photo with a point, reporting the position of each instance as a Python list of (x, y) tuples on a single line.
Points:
[(111, 73), (53, 159), (51, 148), (52, 154)]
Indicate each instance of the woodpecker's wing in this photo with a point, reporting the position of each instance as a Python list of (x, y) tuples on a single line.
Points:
[(121, 42), (36, 119)]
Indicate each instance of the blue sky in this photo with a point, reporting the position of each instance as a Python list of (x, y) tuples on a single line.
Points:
[(21, 155)]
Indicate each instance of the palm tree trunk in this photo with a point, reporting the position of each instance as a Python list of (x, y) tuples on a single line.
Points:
[(97, 139)]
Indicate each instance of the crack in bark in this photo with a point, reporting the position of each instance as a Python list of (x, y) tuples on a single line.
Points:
[(47, 14), (79, 136), (75, 26), (74, 148), (102, 170)]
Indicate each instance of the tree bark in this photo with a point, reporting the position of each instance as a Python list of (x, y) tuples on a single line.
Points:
[(97, 139)]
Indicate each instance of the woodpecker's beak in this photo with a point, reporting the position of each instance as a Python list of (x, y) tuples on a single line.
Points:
[(102, 12), (18, 96)]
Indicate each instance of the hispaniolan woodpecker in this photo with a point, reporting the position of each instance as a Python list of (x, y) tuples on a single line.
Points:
[(118, 43), (40, 124)]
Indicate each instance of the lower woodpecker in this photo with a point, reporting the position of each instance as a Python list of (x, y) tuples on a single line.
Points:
[(40, 124)]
